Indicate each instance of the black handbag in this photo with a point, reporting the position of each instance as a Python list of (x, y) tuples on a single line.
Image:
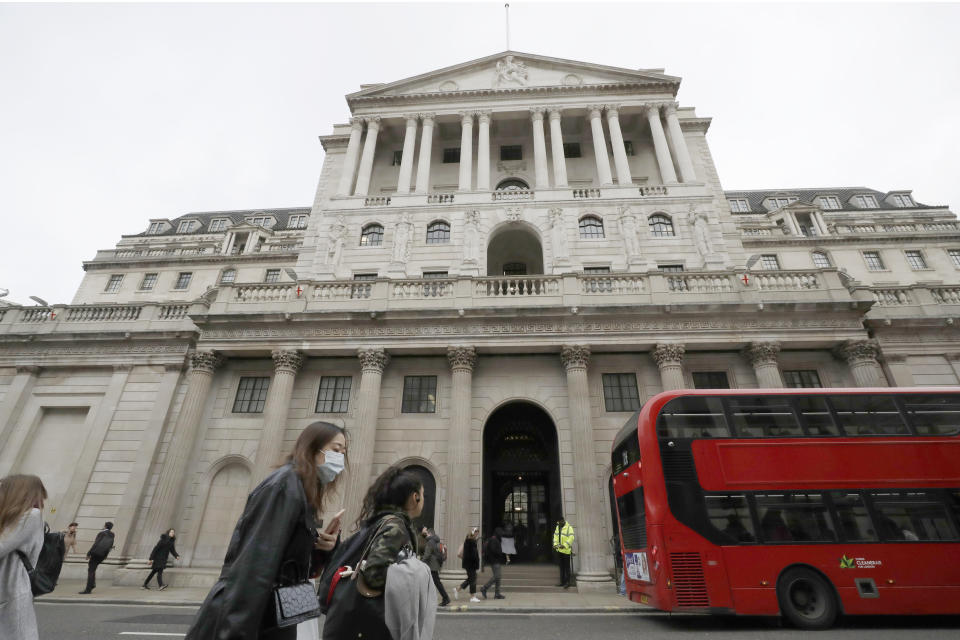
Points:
[(295, 603)]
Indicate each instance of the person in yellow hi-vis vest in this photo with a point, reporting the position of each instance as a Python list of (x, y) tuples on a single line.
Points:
[(563, 545)]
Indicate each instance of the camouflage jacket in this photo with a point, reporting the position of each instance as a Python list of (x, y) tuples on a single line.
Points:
[(394, 535)]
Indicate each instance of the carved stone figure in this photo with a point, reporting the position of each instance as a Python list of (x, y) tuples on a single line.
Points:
[(509, 71), (338, 237), (401, 239), (513, 214), (471, 238), (628, 229), (701, 232), (558, 231)]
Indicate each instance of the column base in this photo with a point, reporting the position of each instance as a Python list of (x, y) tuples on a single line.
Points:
[(594, 582)]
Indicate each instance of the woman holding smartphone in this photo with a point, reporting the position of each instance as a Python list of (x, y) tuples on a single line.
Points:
[(276, 535)]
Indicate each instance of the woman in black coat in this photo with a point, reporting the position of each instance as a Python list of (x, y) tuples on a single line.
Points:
[(276, 541), (470, 561), (159, 556)]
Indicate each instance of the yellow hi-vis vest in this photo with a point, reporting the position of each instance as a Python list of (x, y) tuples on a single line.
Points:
[(563, 539)]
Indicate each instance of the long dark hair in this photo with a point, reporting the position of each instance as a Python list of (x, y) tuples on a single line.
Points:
[(390, 489), (19, 494), (303, 458)]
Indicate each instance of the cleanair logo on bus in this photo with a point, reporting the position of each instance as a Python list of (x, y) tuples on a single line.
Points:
[(858, 563)]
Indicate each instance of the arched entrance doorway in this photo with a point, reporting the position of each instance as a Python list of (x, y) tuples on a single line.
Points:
[(514, 250), (521, 478), (428, 515)]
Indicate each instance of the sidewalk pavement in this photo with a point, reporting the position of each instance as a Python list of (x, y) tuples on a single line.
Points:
[(570, 601)]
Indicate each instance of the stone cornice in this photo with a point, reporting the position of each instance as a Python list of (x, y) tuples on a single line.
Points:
[(848, 238), (695, 124), (158, 261), (335, 141)]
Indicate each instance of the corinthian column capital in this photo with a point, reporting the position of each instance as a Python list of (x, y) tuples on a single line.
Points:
[(372, 122), (613, 110), (555, 113), (536, 113), (428, 118), (205, 361), (594, 111), (859, 351), (668, 353), (575, 356), (483, 116), (761, 353), (356, 123), (287, 361), (374, 359), (462, 358), (669, 108)]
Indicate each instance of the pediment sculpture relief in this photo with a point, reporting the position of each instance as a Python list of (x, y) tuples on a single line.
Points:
[(511, 72)]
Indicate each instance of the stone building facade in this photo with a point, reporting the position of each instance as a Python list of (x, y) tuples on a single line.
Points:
[(503, 260)]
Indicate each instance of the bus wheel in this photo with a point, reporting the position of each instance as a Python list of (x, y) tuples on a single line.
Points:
[(807, 599)]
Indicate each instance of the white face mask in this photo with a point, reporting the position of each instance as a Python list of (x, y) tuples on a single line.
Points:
[(332, 466)]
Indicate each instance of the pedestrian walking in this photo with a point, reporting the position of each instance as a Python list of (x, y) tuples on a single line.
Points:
[(99, 550), (159, 556), (493, 553), (433, 556), (362, 602), (469, 556), (70, 539), (276, 541), (563, 545), (21, 537), (508, 543)]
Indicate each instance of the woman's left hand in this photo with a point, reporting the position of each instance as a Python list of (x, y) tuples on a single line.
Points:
[(325, 541)]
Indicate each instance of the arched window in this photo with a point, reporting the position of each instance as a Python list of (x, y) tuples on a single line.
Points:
[(372, 235), (512, 184), (660, 225), (820, 260), (591, 227), (438, 232), (228, 275)]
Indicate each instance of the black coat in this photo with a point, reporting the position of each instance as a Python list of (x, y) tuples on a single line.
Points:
[(493, 552), (102, 545), (161, 552), (272, 543), (471, 556)]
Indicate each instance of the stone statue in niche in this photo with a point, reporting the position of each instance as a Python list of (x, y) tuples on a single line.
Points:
[(509, 71), (561, 252), (401, 239), (631, 241), (338, 237), (471, 238), (701, 232)]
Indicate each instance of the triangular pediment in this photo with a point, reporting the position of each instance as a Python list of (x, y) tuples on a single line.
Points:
[(512, 71)]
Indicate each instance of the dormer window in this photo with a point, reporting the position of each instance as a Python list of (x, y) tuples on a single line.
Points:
[(297, 222), (261, 221), (865, 201), (185, 227), (739, 205), (155, 228), (218, 224), (776, 203), (829, 202), (903, 200)]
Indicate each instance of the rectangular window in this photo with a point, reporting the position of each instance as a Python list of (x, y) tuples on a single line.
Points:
[(874, 263), (219, 224), (419, 394), (769, 262), (670, 268), (794, 517), (155, 228), (273, 275), (739, 205), (113, 284), (955, 257), (915, 259), (334, 395), (730, 514), (628, 147), (633, 520), (853, 520), (429, 275), (297, 222), (149, 282), (815, 416), (861, 415), (802, 379), (251, 395), (228, 276), (763, 417), (595, 270), (571, 150), (820, 260), (185, 226), (710, 380), (932, 415), (451, 155), (397, 158), (829, 202), (865, 202), (511, 152), (911, 516), (183, 280), (620, 392), (776, 203), (903, 200)]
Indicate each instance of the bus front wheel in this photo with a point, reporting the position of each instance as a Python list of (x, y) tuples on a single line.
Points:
[(807, 599)]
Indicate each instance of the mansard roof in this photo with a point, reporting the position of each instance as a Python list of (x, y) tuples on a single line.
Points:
[(543, 73), (808, 196), (237, 216)]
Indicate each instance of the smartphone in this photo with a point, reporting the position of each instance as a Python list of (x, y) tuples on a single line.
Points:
[(334, 525)]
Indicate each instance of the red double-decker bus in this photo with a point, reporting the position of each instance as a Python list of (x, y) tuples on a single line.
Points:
[(806, 503)]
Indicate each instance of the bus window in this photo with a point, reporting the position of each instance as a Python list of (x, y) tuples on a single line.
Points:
[(933, 415), (633, 521), (862, 415), (911, 515), (692, 417), (794, 517), (815, 415), (626, 453), (730, 514), (763, 417), (854, 520)]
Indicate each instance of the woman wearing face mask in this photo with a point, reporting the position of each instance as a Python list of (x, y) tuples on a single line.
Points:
[(277, 536)]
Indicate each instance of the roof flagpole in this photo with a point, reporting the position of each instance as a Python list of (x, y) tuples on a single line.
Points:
[(506, 6)]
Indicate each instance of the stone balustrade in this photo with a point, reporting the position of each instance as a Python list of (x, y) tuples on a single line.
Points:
[(891, 297), (786, 280), (512, 195), (377, 201), (946, 295), (612, 284), (700, 283), (580, 194), (421, 289), (657, 190), (440, 198), (98, 313), (140, 316), (498, 287)]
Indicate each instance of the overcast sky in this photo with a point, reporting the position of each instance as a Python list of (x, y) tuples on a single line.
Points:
[(114, 114)]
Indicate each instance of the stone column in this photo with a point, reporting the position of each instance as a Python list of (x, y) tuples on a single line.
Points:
[(426, 146), (286, 364), (483, 151), (624, 177), (591, 547), (462, 361), (406, 159), (556, 149), (669, 359), (539, 148), (366, 160), (680, 151), (168, 496), (466, 150), (600, 146), (362, 439), (350, 160), (821, 223), (667, 174), (861, 355), (763, 358)]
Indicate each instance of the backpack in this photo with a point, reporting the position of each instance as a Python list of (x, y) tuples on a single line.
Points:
[(442, 548), (43, 577), (102, 545)]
